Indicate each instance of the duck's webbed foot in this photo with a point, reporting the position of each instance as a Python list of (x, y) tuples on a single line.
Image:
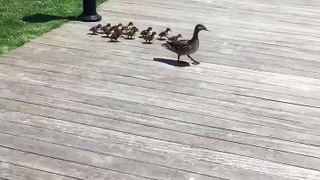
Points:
[(193, 60)]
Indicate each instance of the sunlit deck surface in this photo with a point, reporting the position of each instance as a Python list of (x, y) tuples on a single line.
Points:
[(73, 106)]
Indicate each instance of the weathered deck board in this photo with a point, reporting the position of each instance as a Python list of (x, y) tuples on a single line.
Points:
[(73, 106), (12, 171)]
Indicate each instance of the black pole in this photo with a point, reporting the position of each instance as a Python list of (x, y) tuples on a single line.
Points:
[(89, 13)]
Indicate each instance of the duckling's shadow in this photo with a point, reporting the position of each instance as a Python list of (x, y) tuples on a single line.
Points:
[(113, 41), (147, 42), (92, 34), (128, 38), (104, 36), (172, 62), (161, 39)]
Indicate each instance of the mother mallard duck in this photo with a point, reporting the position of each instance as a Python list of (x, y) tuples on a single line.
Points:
[(186, 47)]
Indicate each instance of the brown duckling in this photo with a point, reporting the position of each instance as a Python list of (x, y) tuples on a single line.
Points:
[(115, 35), (149, 38), (95, 29), (175, 38), (146, 32), (105, 28), (164, 33), (132, 32), (116, 27), (127, 27)]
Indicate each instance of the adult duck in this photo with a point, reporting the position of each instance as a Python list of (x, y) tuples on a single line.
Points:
[(186, 47)]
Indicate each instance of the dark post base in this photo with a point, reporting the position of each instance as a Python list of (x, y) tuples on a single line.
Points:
[(90, 18), (89, 13)]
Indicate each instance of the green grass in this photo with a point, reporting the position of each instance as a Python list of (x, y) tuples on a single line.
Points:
[(23, 20)]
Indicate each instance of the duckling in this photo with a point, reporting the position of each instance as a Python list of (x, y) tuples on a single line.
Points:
[(105, 28), (128, 27), (116, 27), (132, 32), (146, 32), (150, 37), (164, 33), (175, 38), (115, 35), (107, 31), (95, 29), (186, 47)]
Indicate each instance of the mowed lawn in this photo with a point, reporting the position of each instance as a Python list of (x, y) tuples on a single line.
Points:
[(23, 20)]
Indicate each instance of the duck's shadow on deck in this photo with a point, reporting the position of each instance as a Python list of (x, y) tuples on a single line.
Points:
[(172, 62)]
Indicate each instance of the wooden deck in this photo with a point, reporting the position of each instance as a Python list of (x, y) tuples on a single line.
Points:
[(74, 106)]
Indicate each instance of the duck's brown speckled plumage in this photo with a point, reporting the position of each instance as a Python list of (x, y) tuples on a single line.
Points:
[(186, 47)]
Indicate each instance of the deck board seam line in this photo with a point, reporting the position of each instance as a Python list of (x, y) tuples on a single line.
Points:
[(114, 67), (196, 103), (225, 92), (100, 153), (170, 19), (143, 161), (168, 141), (50, 117), (150, 137), (235, 39), (248, 68), (281, 163), (76, 111), (221, 8), (177, 110), (96, 105), (237, 60), (233, 59), (35, 169), (71, 161)]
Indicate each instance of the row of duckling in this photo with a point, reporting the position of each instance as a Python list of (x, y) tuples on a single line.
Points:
[(129, 31)]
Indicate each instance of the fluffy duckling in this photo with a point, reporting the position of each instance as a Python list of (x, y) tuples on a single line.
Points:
[(95, 29), (175, 38), (164, 34), (132, 32), (146, 32), (128, 27), (115, 35), (148, 39), (106, 29), (186, 47), (119, 26)]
